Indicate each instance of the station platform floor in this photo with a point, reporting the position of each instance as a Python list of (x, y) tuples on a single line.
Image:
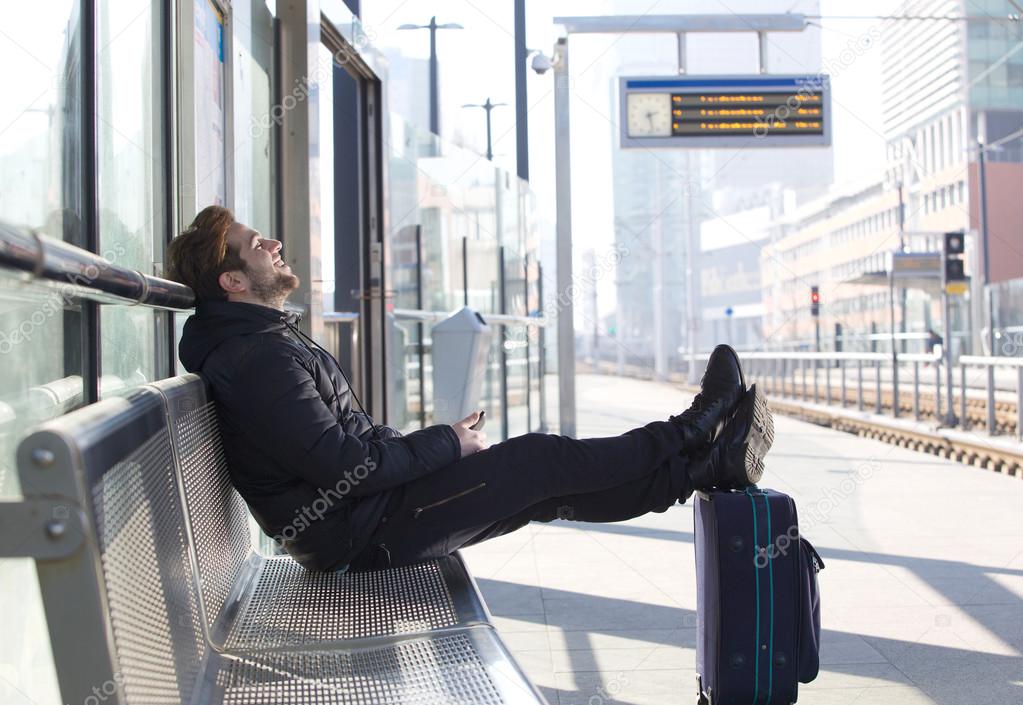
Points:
[(922, 596)]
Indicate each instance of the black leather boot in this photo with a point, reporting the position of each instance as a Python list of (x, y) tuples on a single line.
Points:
[(721, 388), (736, 460)]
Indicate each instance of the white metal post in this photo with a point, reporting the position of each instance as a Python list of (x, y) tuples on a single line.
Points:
[(563, 190)]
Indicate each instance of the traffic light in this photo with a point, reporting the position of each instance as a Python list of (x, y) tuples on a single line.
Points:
[(815, 301), (954, 247)]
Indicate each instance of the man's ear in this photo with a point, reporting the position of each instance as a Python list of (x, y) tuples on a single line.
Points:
[(233, 282)]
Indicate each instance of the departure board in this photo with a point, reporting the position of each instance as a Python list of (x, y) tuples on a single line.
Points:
[(725, 111)]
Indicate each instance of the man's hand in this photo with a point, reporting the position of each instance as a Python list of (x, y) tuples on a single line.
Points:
[(471, 441)]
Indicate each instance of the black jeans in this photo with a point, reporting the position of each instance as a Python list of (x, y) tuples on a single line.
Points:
[(534, 477)]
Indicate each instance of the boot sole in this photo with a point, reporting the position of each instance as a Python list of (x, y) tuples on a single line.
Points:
[(746, 457)]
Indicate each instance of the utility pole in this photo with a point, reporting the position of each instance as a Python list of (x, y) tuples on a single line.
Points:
[(434, 87), (521, 108), (488, 106)]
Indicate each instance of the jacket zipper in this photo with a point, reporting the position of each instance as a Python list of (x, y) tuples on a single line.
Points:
[(419, 510)]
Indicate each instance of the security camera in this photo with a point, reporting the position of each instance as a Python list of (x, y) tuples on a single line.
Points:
[(541, 63)]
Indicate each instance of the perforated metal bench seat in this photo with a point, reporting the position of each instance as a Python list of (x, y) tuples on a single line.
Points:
[(280, 603), (467, 666), (151, 589), (252, 601)]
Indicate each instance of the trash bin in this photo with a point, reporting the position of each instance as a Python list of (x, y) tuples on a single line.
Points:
[(459, 351)]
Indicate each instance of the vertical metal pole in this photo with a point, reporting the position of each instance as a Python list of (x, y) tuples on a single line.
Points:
[(946, 315), (420, 328), (563, 189), (859, 384), (841, 370), (1019, 403), (680, 44), (502, 298), (527, 331), (692, 271), (986, 284), (991, 427), (877, 387), (465, 271), (521, 107), (490, 147), (815, 394), (903, 325), (989, 309), (541, 363), (895, 354), (434, 98), (761, 52), (827, 382), (963, 419), (802, 371), (916, 390), (937, 391), (658, 312), (91, 333)]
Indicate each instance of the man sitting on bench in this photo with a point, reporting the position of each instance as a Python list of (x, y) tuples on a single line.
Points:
[(337, 490)]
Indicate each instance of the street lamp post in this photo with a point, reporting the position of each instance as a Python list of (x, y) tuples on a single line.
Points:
[(488, 106), (433, 27)]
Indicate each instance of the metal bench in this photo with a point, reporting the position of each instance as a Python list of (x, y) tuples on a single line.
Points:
[(153, 595)]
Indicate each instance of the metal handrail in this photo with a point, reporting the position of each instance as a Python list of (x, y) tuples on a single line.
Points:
[(340, 316), (83, 274), (781, 355), (990, 361), (500, 319)]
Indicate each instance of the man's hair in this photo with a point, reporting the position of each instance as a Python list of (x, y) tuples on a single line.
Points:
[(198, 256)]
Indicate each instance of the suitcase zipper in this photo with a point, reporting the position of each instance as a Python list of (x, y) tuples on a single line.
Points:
[(420, 510)]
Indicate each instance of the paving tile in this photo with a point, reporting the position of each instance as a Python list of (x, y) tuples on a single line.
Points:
[(922, 597)]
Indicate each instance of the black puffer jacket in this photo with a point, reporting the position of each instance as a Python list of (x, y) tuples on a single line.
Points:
[(313, 471)]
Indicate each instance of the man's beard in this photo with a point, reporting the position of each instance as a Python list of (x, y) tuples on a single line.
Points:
[(273, 289)]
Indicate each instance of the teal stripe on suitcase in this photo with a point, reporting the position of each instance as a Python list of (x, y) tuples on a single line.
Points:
[(770, 573), (756, 572)]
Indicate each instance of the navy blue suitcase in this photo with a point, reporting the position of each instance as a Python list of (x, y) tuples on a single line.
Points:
[(757, 601)]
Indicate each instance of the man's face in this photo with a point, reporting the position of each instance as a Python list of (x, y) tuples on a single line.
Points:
[(266, 277)]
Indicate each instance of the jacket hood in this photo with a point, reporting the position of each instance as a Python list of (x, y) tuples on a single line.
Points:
[(217, 321)]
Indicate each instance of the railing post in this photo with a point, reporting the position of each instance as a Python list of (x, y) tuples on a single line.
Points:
[(916, 390), (877, 387), (774, 377), (937, 391), (827, 382), (859, 384), (815, 394), (964, 422), (841, 371), (896, 401), (991, 428), (802, 370), (1019, 403)]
